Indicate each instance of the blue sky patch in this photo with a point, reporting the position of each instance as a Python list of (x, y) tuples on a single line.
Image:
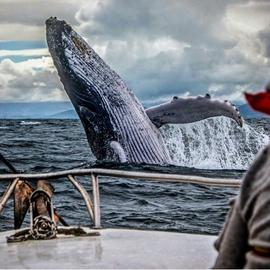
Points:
[(19, 58), (22, 45)]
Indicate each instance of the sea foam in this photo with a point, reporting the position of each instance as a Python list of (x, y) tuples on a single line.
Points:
[(215, 143), (29, 123)]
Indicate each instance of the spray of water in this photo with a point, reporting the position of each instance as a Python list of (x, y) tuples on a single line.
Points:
[(215, 143)]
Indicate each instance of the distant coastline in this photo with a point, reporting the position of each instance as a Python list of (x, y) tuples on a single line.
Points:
[(37, 110), (65, 110)]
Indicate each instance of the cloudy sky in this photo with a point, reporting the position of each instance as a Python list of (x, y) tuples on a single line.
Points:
[(160, 47)]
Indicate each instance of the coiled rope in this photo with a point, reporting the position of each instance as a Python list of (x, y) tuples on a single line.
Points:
[(43, 229)]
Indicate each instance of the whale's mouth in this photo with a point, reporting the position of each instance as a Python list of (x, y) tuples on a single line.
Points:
[(60, 35), (53, 20), (54, 24), (54, 35)]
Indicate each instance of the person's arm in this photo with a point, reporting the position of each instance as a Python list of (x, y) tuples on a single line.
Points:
[(232, 242), (258, 255)]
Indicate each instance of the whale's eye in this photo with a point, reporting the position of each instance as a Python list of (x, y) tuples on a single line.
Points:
[(175, 97)]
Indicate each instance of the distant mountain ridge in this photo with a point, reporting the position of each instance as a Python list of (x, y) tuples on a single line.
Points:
[(65, 110), (69, 114), (37, 110), (249, 113)]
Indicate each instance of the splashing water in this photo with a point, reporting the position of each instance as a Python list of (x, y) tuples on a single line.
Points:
[(29, 123), (215, 143)]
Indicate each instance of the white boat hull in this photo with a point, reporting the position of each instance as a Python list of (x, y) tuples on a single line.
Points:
[(114, 248)]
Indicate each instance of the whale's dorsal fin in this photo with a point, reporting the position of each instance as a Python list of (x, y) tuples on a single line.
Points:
[(192, 109)]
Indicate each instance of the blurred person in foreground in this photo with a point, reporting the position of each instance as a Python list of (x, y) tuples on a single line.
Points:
[(244, 242)]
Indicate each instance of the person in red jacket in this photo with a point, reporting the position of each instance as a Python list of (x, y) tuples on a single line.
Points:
[(244, 241)]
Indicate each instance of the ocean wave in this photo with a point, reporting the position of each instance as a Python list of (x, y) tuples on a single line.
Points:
[(29, 123), (62, 144)]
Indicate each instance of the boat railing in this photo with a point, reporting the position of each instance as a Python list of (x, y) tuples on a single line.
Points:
[(93, 205)]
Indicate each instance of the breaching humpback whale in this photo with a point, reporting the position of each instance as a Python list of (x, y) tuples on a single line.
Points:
[(117, 126)]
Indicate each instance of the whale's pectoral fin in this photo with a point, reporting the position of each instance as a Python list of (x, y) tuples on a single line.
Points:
[(118, 151), (22, 193), (188, 110)]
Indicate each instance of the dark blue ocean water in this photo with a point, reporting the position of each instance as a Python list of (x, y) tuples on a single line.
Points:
[(50, 145)]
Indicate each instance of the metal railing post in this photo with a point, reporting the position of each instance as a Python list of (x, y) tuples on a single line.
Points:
[(7, 194), (96, 200), (85, 195)]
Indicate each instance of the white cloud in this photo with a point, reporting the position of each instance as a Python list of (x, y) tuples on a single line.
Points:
[(16, 31), (29, 52), (250, 16), (31, 80), (25, 20), (168, 47), (160, 47)]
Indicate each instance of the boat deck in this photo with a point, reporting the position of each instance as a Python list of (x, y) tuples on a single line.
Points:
[(114, 248)]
